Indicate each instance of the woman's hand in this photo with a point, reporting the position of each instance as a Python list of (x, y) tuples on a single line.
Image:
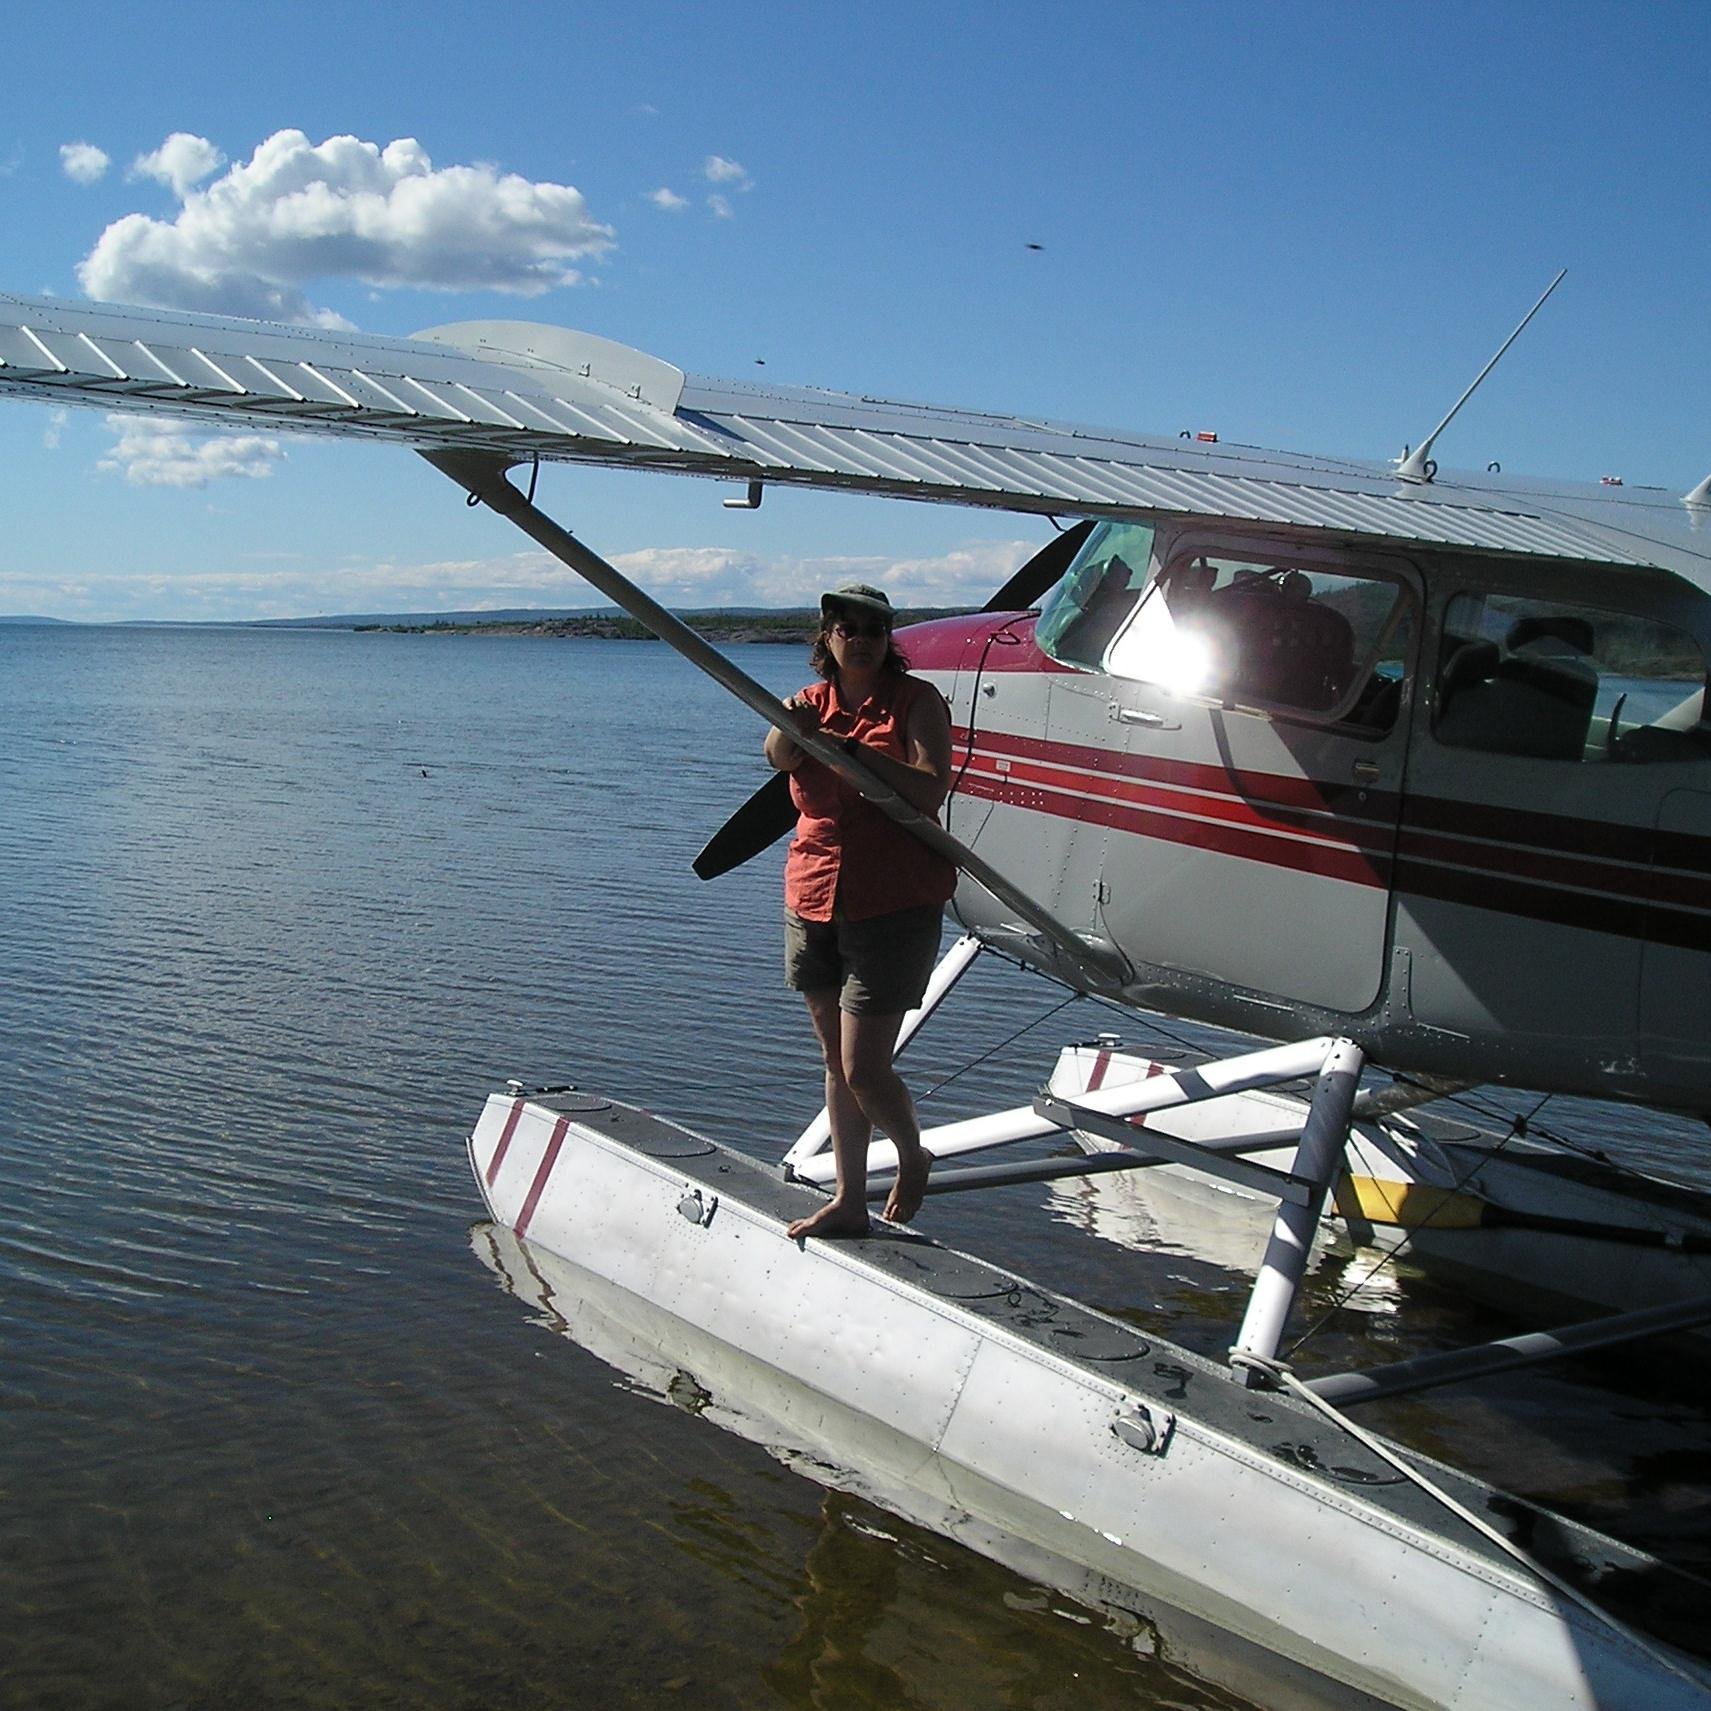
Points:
[(781, 750)]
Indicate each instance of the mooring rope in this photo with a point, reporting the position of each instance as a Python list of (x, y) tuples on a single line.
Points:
[(975, 1062)]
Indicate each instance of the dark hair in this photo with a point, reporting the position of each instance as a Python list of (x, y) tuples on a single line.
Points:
[(820, 657)]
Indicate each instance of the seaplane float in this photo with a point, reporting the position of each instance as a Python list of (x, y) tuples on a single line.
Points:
[(1406, 772)]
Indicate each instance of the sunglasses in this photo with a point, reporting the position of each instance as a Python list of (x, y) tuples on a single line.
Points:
[(870, 631)]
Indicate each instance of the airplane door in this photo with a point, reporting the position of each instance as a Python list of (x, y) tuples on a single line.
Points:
[(1244, 745)]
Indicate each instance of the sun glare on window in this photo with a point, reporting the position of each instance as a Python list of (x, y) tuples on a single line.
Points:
[(1155, 648)]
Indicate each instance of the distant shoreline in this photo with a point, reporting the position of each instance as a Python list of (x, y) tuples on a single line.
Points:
[(797, 627)]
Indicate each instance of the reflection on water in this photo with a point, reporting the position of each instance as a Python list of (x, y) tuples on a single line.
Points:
[(278, 910)]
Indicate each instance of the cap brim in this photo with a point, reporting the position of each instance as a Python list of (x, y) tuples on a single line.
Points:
[(856, 602)]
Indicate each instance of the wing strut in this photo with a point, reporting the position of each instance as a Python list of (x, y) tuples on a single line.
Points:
[(482, 476)]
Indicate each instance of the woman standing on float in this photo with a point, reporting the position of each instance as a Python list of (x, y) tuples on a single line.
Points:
[(863, 899)]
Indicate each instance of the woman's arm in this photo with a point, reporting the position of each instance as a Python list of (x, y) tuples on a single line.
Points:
[(923, 778)]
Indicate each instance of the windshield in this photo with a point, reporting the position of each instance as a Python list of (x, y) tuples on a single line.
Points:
[(1098, 591)]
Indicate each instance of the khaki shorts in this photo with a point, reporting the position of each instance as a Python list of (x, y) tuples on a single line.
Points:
[(878, 967)]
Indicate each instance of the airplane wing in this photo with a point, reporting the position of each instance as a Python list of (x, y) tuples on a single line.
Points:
[(526, 392)]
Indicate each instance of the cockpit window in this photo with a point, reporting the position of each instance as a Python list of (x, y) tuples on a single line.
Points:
[(1532, 677), (1098, 591), (1273, 634)]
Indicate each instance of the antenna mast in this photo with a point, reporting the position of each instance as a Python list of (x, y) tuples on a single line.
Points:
[(1417, 465)]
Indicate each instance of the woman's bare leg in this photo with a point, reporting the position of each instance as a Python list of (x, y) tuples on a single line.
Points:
[(869, 1043), (845, 1214)]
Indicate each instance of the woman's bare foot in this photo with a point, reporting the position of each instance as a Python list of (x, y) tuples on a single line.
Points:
[(910, 1188), (832, 1219)]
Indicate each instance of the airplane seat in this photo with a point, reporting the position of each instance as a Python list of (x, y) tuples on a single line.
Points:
[(1556, 633), (1289, 647), (1653, 743), (1553, 685), (1379, 704), (1470, 668), (1535, 698)]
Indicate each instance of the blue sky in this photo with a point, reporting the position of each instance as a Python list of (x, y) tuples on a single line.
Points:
[(1302, 225)]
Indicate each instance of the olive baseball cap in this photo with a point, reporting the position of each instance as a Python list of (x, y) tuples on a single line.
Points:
[(862, 596)]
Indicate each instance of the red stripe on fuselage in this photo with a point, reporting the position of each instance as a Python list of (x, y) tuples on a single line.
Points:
[(1279, 849), (1353, 805), (1325, 826), (545, 1169), (1560, 869), (1634, 882), (505, 1135)]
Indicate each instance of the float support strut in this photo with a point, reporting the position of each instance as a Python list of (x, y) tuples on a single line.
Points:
[(1323, 1138)]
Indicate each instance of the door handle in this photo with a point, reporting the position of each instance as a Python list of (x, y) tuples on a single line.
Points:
[(1143, 716), (1366, 771)]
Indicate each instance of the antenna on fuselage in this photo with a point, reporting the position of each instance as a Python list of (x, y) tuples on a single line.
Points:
[(1417, 465)]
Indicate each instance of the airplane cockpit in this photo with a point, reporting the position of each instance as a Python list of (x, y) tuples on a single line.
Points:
[(1096, 594), (1285, 636), (1309, 638)]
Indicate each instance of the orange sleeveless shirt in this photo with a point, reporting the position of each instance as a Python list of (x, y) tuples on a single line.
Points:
[(847, 855)]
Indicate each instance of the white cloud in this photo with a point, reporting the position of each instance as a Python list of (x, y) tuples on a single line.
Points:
[(722, 576), (295, 212), (82, 163), (164, 453), (716, 169), (181, 161), (669, 200), (687, 577), (56, 426)]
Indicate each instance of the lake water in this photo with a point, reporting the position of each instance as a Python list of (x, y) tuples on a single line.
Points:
[(279, 909)]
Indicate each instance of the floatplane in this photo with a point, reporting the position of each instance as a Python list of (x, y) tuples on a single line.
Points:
[(1406, 771)]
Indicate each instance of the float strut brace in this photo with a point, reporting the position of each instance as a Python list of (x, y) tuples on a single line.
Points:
[(1507, 1353), (1211, 1154)]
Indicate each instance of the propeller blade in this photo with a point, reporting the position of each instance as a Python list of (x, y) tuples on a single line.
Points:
[(757, 825), (1041, 571), (769, 813)]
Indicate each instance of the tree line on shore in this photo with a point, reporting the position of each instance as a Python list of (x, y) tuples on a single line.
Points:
[(797, 625)]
